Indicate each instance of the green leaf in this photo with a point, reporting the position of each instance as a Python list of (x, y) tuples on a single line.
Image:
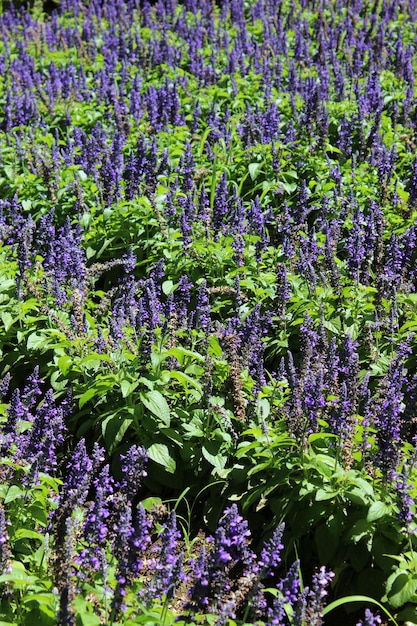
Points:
[(127, 388), (167, 287), (18, 576), (86, 396), (263, 408), (185, 379), (362, 528), (41, 598), (181, 353), (159, 453), (402, 587), (7, 320), (377, 510), (324, 494), (216, 460), (356, 496), (409, 615), (64, 364), (35, 341), (13, 493), (114, 428), (254, 170), (26, 533), (93, 361), (157, 405), (85, 616), (149, 503)]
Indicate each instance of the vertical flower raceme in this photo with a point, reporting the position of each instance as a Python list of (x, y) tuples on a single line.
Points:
[(133, 471), (317, 595), (78, 476), (63, 571), (5, 552), (201, 316), (167, 570), (199, 590), (211, 585), (271, 553), (130, 542), (46, 435), (95, 530)]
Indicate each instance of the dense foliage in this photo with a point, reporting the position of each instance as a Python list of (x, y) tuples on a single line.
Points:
[(208, 290)]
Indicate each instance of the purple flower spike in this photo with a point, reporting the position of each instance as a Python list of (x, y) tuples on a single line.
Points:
[(370, 619), (167, 565), (290, 585), (133, 470), (317, 595), (5, 552), (271, 552)]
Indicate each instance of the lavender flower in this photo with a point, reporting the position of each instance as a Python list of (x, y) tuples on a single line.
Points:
[(133, 471), (47, 434), (167, 566), (131, 541), (271, 553), (5, 552), (290, 585), (96, 524), (32, 388), (405, 501), (199, 591), (78, 476), (370, 619), (317, 595), (201, 317)]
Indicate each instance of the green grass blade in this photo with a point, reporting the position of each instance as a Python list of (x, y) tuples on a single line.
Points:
[(348, 599)]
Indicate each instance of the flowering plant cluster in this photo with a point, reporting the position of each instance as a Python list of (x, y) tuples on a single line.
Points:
[(208, 295)]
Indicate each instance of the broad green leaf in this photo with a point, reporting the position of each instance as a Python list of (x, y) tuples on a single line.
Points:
[(6, 284), (254, 170), (216, 460), (159, 453), (93, 360), (86, 396), (127, 388), (13, 493), (85, 614), (181, 353), (148, 503), (408, 615), (7, 320), (18, 576), (167, 287), (362, 528), (185, 379), (377, 510), (41, 598), (324, 494), (401, 588), (356, 496), (263, 408), (26, 533), (114, 428), (64, 364), (35, 341), (155, 402)]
